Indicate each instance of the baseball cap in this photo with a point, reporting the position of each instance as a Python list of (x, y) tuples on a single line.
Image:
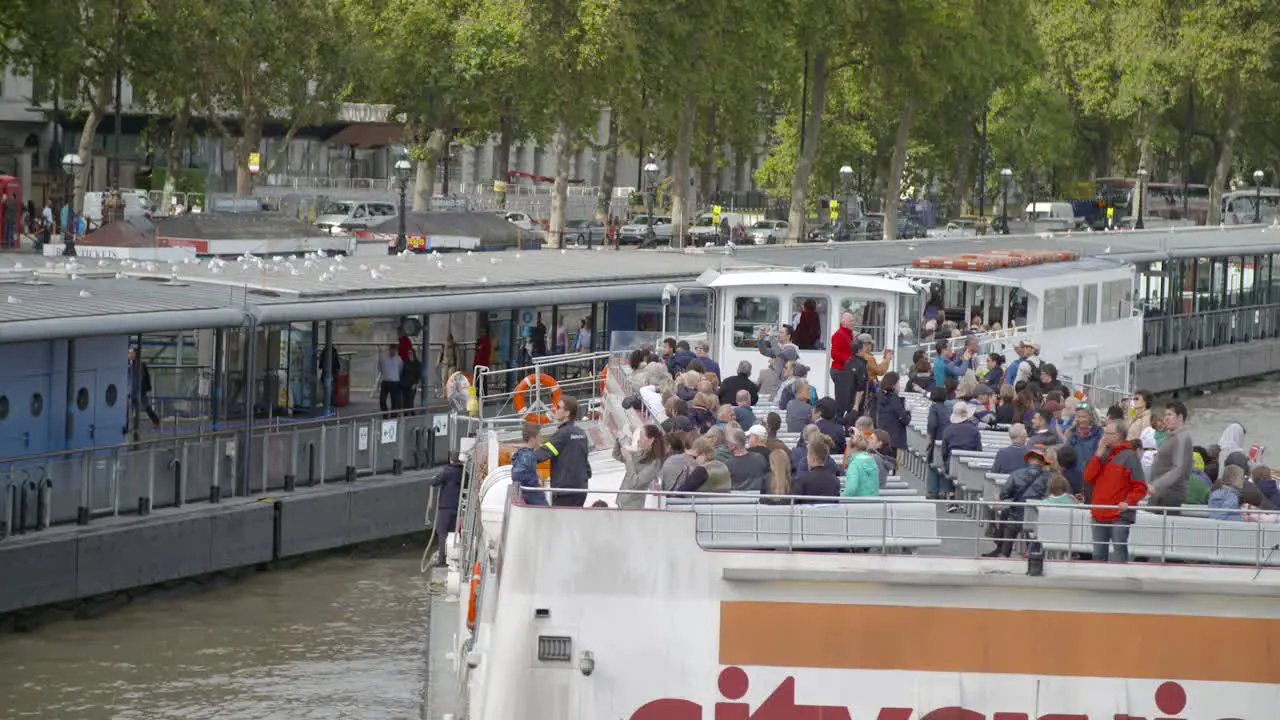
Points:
[(758, 432)]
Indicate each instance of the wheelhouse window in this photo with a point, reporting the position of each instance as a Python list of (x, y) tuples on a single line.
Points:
[(1090, 304), (1117, 300), (751, 314), (809, 320), (1061, 307), (869, 317)]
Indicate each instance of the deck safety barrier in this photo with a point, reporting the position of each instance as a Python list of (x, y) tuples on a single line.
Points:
[(78, 486)]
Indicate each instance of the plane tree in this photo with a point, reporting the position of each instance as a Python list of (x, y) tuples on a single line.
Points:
[(72, 50), (284, 62)]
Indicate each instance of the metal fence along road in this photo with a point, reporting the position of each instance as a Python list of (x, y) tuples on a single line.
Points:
[(38, 491)]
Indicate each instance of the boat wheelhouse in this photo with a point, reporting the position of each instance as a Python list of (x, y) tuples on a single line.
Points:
[(749, 306), (1080, 311)]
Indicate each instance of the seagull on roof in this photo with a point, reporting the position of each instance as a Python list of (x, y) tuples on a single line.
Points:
[(85, 294), (375, 274)]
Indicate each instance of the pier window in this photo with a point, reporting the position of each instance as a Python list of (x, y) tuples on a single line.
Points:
[(1117, 300), (807, 337), (1061, 307), (868, 317), (750, 314), (1090, 304)]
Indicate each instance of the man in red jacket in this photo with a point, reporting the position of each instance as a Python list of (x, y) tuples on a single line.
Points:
[(842, 351), (1115, 472)]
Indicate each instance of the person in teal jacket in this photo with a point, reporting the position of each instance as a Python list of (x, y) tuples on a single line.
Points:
[(862, 476)]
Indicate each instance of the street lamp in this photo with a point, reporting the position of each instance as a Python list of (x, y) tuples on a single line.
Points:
[(1006, 175), (846, 178), (650, 189), (1257, 196), (403, 169), (71, 164), (1142, 199)]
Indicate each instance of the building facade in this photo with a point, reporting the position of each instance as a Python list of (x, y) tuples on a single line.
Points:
[(360, 146)]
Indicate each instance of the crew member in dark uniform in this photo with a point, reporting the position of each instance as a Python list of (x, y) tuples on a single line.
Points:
[(567, 450)]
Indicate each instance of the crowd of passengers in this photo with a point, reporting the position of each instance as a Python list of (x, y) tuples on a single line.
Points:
[(703, 435)]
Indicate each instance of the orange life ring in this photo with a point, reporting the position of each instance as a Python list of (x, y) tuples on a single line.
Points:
[(525, 408), (604, 376), (475, 590)]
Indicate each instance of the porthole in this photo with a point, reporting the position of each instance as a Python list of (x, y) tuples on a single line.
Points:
[(112, 395), (82, 399), (37, 404), (4, 407)]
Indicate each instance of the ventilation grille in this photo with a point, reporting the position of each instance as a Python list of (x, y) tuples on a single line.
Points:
[(555, 649)]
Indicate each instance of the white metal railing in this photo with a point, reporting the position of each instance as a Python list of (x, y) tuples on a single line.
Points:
[(916, 526)]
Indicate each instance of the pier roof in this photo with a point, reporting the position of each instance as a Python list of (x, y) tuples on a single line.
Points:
[(49, 299)]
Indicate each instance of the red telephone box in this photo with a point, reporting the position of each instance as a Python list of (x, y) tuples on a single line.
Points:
[(11, 191)]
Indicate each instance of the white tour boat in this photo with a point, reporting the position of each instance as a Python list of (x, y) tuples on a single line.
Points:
[(723, 608)]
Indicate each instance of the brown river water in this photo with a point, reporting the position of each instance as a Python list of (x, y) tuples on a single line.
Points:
[(340, 637)]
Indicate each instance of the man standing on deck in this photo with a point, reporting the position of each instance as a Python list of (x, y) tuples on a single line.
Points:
[(450, 483), (842, 351), (567, 450), (1173, 463)]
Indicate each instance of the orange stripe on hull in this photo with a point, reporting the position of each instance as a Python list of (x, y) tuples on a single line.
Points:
[(1030, 642)]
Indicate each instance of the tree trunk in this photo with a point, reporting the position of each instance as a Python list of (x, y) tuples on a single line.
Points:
[(897, 162), (560, 194), (101, 96), (680, 174), (609, 173), (250, 142), (506, 130), (960, 180), (804, 164), (706, 179), (173, 157), (1222, 169), (428, 157), (1102, 152)]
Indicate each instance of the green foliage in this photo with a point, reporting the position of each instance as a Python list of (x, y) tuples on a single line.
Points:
[(1072, 88)]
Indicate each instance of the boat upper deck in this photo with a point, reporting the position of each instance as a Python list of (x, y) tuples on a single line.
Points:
[(899, 520), (54, 299)]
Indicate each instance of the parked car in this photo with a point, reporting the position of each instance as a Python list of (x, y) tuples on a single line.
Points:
[(519, 219), (705, 230), (351, 215), (768, 232), (907, 228), (584, 232), (633, 232)]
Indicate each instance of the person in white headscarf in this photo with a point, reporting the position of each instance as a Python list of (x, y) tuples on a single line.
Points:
[(1232, 440)]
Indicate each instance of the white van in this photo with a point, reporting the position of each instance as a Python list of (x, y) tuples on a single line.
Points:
[(136, 203), (346, 215), (1052, 217)]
